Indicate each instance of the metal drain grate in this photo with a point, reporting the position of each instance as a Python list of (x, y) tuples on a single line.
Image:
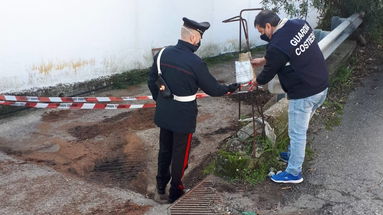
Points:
[(202, 199)]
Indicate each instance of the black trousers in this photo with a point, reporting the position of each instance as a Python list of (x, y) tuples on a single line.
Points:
[(173, 158)]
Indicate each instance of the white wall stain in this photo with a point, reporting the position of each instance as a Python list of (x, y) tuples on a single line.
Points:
[(51, 66)]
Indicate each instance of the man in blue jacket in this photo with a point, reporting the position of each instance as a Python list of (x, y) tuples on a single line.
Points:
[(294, 55), (183, 73)]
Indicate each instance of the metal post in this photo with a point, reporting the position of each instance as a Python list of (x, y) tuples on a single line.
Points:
[(242, 24)]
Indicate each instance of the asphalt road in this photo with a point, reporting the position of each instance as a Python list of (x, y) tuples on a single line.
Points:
[(346, 175)]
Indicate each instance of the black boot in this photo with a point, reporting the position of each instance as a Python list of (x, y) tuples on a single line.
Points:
[(175, 194)]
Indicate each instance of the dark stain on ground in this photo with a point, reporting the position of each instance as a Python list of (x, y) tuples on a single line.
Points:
[(224, 130), (133, 120), (195, 142), (118, 171), (125, 168), (116, 159), (85, 132)]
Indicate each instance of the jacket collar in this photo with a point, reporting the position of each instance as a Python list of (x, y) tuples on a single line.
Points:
[(280, 24), (186, 46)]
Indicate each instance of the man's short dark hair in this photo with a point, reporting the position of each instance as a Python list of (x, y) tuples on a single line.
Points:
[(266, 16)]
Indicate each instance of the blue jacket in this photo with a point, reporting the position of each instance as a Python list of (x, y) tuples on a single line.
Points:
[(307, 73)]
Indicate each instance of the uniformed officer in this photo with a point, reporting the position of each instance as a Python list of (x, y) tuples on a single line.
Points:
[(294, 55), (175, 77)]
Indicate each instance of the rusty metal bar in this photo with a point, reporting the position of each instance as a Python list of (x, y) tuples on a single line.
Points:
[(242, 25)]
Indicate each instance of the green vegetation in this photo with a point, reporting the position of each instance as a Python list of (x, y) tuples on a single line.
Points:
[(133, 77), (335, 118), (373, 9), (334, 105), (342, 78), (221, 58), (242, 165)]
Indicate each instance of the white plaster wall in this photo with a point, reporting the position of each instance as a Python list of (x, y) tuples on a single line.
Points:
[(48, 42)]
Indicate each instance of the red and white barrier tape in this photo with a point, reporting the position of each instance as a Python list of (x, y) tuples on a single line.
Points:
[(83, 102), (78, 99), (70, 99), (85, 99), (86, 106), (81, 106)]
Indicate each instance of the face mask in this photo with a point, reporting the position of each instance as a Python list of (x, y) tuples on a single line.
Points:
[(265, 38), (196, 46)]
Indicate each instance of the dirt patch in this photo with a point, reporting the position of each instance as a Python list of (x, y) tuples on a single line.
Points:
[(138, 120), (197, 174), (126, 169), (263, 198), (116, 162), (107, 152), (125, 209), (195, 142), (203, 117), (54, 116), (255, 97), (85, 132)]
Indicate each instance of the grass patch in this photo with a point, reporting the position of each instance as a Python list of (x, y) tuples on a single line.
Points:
[(309, 154), (342, 78), (335, 110), (210, 61), (243, 166), (240, 165), (133, 77), (340, 83)]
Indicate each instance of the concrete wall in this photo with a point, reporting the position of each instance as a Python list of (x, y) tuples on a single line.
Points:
[(48, 42)]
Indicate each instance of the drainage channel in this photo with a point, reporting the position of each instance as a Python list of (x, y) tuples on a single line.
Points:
[(202, 199)]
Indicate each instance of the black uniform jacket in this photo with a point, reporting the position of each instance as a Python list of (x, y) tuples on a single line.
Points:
[(184, 72), (307, 73)]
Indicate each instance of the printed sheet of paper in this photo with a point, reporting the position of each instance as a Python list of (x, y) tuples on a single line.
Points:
[(243, 71)]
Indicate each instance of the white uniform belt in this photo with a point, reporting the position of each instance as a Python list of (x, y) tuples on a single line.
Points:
[(184, 98)]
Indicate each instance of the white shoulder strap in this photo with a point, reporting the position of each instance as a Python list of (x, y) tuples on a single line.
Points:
[(158, 61)]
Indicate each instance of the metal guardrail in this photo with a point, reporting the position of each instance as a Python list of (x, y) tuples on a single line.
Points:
[(336, 37), (328, 44)]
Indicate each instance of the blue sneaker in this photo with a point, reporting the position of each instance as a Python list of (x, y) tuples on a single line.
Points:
[(284, 156), (285, 177)]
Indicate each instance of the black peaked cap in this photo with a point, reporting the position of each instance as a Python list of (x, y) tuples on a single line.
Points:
[(201, 27)]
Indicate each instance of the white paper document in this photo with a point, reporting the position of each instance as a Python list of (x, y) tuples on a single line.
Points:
[(243, 71)]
